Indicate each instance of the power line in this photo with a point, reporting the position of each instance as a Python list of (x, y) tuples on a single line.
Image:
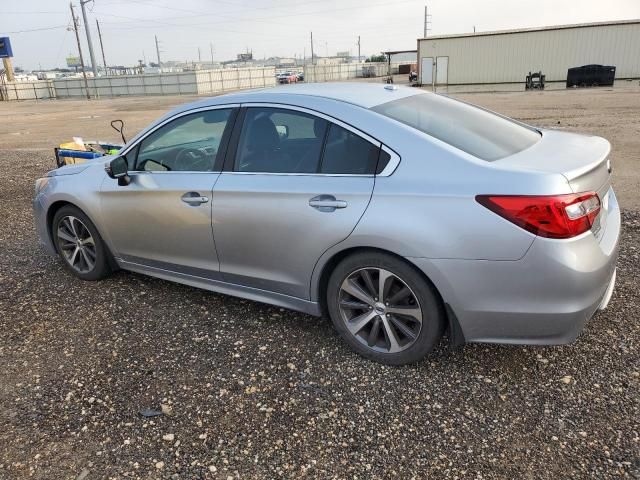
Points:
[(208, 24), (38, 29), (33, 13)]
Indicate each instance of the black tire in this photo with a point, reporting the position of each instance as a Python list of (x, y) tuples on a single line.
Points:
[(428, 300), (101, 265)]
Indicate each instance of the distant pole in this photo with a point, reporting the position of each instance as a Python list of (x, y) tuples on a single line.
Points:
[(158, 54), (313, 62), (211, 48), (358, 48), (199, 56), (426, 21), (101, 46), (94, 66), (474, 29), (8, 68), (75, 29)]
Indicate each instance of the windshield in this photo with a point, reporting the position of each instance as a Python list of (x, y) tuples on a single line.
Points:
[(480, 133)]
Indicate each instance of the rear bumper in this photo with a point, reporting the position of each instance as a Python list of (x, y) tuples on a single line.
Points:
[(545, 298)]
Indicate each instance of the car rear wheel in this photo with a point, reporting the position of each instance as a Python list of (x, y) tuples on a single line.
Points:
[(384, 309), (79, 244)]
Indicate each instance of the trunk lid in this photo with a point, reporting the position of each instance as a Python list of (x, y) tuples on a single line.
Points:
[(583, 160)]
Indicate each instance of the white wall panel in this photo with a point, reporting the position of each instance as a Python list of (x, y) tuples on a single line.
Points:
[(508, 57)]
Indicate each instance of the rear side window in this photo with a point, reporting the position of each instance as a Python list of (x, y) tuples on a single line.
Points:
[(348, 153), (480, 133)]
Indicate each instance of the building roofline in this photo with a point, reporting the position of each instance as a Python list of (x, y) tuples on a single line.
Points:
[(533, 29), (397, 52)]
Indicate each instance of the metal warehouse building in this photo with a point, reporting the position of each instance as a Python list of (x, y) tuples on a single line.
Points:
[(509, 55)]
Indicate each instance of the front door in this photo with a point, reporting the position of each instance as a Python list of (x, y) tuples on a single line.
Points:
[(426, 71), (296, 185), (162, 219)]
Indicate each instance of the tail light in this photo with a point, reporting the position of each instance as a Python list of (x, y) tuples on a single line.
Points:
[(556, 216)]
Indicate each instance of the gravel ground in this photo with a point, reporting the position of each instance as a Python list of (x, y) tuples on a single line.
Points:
[(252, 391)]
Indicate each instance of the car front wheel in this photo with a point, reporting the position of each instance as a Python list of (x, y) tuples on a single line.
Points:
[(79, 244), (384, 309)]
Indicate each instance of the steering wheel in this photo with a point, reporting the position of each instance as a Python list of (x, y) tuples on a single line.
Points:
[(194, 157)]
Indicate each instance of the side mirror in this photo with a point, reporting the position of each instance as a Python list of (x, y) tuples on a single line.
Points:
[(118, 169)]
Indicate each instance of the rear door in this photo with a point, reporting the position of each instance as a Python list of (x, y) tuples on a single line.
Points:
[(295, 184)]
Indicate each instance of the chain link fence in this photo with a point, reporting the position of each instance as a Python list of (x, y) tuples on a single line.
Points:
[(200, 82), (183, 83)]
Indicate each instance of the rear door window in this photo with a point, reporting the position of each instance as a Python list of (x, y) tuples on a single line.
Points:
[(276, 140)]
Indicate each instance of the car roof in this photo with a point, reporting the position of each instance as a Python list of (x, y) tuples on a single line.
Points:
[(362, 94)]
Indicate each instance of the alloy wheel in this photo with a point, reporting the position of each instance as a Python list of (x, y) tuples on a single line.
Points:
[(76, 244), (380, 310)]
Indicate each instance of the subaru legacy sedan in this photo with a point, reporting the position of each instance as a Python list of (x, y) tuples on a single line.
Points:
[(398, 213)]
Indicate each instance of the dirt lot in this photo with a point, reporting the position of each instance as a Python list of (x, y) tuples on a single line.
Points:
[(253, 391)]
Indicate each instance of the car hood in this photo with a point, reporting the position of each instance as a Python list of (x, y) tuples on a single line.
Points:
[(81, 167)]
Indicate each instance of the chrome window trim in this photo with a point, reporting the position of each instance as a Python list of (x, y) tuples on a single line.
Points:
[(393, 162), (174, 117), (160, 172), (388, 170), (324, 116), (302, 174)]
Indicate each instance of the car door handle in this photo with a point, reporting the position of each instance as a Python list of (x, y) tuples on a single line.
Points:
[(194, 199), (326, 203)]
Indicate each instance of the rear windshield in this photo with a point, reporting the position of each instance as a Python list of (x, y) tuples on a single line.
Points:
[(482, 134)]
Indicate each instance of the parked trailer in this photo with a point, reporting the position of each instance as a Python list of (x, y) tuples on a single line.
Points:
[(591, 76)]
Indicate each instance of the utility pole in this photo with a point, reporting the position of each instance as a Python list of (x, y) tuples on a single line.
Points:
[(427, 21), (8, 68), (158, 54), (101, 47), (358, 48), (75, 29), (199, 56), (211, 48), (313, 61), (94, 66)]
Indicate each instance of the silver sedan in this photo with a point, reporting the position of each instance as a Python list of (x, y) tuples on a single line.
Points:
[(398, 213)]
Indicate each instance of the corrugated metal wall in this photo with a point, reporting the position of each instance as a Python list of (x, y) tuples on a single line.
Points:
[(509, 57)]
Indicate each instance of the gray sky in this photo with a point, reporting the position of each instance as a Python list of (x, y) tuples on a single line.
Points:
[(271, 27)]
